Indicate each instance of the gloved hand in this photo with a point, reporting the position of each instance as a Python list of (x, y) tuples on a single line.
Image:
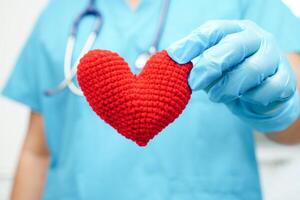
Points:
[(239, 64)]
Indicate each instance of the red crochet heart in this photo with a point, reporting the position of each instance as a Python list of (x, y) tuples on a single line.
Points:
[(137, 106)]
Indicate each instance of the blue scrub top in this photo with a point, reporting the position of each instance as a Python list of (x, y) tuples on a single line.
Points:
[(207, 153)]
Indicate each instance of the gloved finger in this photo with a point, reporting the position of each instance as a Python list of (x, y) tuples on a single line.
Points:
[(201, 39), (249, 74), (229, 52), (278, 88)]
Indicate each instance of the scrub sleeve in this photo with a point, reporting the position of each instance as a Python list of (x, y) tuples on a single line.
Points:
[(275, 17), (23, 83)]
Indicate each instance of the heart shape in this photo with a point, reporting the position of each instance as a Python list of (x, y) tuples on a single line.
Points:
[(137, 106)]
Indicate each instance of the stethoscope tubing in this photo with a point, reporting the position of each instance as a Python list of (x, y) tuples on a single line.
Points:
[(91, 10), (162, 24), (69, 71)]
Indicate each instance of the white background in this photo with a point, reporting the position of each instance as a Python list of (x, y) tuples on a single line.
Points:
[(280, 165)]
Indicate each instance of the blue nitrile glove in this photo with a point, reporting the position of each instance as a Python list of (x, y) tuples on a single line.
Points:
[(239, 64)]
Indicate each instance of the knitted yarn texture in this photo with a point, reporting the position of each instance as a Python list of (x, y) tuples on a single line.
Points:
[(137, 106)]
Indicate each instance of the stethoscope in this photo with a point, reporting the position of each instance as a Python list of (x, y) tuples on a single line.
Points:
[(91, 10)]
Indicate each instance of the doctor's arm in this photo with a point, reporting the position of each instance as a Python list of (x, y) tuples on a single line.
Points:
[(32, 166), (292, 134)]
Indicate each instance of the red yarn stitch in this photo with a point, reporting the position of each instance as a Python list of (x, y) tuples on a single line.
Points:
[(137, 106)]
